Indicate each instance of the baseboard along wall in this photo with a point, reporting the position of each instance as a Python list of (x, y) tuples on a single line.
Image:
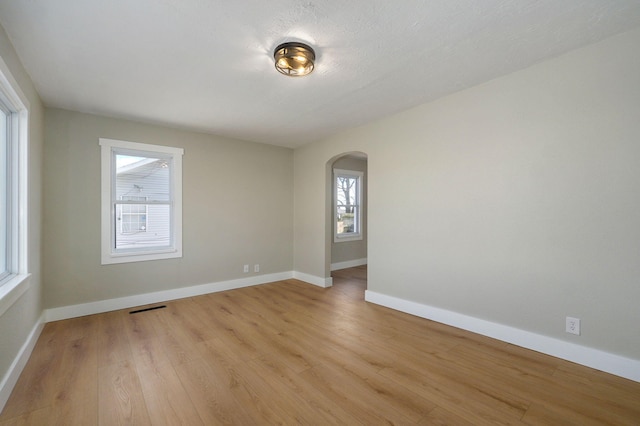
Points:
[(66, 312), (594, 358), (312, 279), (348, 264), (11, 377)]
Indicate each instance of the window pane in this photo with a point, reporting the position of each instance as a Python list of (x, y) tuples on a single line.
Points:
[(143, 178), (346, 190), (346, 222), (143, 226), (4, 191), (132, 217), (347, 205)]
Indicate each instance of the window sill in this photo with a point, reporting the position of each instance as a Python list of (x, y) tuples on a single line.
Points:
[(11, 291), (347, 239), (115, 258)]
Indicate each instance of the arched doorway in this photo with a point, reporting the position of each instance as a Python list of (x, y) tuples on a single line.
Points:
[(347, 215)]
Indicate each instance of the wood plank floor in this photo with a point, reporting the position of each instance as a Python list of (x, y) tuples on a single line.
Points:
[(292, 353)]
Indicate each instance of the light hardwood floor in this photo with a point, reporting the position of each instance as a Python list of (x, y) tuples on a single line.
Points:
[(292, 353)]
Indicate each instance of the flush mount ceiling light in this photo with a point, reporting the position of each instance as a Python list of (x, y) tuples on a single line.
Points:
[(294, 59)]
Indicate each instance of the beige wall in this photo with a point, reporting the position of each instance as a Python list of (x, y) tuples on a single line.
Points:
[(352, 250), (20, 319), (520, 199), (237, 209)]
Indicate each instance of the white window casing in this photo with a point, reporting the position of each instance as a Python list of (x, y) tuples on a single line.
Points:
[(14, 144), (145, 189)]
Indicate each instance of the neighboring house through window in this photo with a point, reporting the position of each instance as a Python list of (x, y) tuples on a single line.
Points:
[(141, 201), (347, 191), (132, 217)]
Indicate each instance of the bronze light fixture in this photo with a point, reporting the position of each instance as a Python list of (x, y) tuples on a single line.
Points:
[(294, 59)]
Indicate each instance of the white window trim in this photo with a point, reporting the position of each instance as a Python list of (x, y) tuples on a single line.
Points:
[(353, 236), (16, 284), (107, 212)]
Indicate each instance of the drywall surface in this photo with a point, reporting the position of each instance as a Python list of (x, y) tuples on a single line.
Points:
[(344, 251), (237, 209), (519, 199), (22, 317)]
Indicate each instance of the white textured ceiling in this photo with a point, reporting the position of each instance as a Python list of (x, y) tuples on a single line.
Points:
[(207, 65)]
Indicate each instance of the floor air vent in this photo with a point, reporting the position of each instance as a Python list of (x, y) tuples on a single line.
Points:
[(148, 309)]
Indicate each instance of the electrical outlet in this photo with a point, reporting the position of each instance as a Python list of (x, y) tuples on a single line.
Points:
[(573, 325), (245, 269), (256, 268)]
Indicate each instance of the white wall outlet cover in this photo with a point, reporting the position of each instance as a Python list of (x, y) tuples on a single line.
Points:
[(573, 325)]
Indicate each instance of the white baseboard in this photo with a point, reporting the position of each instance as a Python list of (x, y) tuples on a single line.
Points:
[(594, 358), (312, 279), (65, 312), (73, 311), (348, 264), (11, 377)]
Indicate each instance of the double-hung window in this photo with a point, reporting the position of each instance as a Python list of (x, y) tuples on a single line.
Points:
[(14, 115), (347, 191), (141, 201)]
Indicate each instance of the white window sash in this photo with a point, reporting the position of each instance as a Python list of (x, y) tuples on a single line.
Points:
[(110, 148)]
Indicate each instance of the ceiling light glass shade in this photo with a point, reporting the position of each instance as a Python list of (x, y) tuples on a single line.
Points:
[(294, 59)]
